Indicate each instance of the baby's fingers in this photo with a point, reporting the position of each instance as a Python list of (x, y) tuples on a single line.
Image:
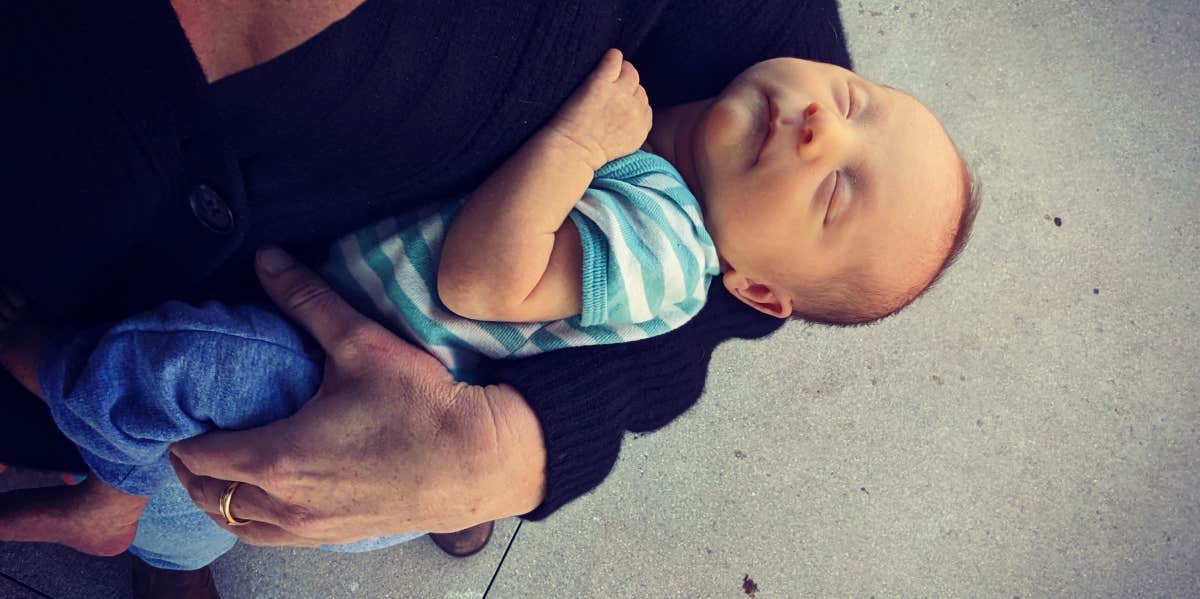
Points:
[(609, 69), (629, 75)]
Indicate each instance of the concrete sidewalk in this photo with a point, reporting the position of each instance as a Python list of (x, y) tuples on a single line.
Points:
[(1031, 428)]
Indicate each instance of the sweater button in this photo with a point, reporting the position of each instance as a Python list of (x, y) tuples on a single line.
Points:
[(211, 210)]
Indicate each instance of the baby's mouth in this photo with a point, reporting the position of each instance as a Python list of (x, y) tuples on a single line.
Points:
[(772, 116)]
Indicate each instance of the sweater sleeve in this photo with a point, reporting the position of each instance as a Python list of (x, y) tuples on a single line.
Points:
[(586, 398)]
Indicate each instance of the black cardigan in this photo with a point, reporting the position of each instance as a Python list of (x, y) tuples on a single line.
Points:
[(130, 179)]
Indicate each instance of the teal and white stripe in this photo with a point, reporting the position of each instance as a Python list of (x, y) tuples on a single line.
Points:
[(647, 263)]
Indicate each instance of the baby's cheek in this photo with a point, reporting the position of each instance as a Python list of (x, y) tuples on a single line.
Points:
[(726, 123)]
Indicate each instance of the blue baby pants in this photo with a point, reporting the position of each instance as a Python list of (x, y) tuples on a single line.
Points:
[(124, 393)]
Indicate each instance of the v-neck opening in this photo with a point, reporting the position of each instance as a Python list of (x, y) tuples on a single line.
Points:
[(257, 104)]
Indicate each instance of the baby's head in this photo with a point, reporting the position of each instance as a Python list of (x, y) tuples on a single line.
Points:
[(829, 197)]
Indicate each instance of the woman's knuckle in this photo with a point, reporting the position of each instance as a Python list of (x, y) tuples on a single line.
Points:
[(308, 293), (364, 339), (195, 490), (297, 518), (278, 469)]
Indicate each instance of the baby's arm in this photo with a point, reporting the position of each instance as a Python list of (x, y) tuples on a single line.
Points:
[(512, 254)]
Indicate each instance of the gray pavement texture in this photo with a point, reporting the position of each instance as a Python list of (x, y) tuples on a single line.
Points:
[(1030, 428)]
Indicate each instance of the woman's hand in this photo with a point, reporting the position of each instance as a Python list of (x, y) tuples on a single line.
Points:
[(389, 444)]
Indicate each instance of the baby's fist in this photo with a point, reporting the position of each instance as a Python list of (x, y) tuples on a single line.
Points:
[(609, 115)]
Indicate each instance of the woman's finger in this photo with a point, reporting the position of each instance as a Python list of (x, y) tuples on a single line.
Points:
[(224, 455), (261, 533), (249, 502), (194, 485), (307, 298)]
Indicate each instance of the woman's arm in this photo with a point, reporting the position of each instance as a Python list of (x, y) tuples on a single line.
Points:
[(511, 255)]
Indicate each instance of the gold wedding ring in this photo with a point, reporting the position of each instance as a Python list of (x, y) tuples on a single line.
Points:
[(226, 500)]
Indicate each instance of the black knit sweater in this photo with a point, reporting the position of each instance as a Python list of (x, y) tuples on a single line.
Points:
[(131, 180)]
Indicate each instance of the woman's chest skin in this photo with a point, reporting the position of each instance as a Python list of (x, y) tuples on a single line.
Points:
[(231, 36)]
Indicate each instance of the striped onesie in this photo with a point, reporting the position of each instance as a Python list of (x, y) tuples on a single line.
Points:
[(647, 264)]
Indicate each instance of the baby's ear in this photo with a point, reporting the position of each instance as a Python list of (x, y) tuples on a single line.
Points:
[(757, 295)]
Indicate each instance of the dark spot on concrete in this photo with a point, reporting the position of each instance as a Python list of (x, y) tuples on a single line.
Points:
[(874, 381), (935, 378), (739, 454), (962, 378), (864, 490), (979, 423), (708, 550), (1057, 221), (1095, 291), (749, 586)]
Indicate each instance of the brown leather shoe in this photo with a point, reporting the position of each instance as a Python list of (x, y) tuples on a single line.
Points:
[(467, 541), (156, 583)]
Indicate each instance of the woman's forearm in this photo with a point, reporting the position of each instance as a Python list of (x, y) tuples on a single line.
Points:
[(503, 446)]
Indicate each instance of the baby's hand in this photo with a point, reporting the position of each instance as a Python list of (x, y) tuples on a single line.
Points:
[(609, 115)]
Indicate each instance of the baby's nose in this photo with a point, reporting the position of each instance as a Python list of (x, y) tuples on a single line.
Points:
[(822, 134), (807, 134)]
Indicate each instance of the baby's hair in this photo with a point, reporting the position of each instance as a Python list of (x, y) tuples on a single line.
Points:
[(847, 302)]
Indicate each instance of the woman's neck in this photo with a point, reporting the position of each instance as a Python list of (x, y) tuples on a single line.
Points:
[(228, 37)]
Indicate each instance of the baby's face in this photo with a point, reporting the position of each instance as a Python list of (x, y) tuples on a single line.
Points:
[(810, 172)]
